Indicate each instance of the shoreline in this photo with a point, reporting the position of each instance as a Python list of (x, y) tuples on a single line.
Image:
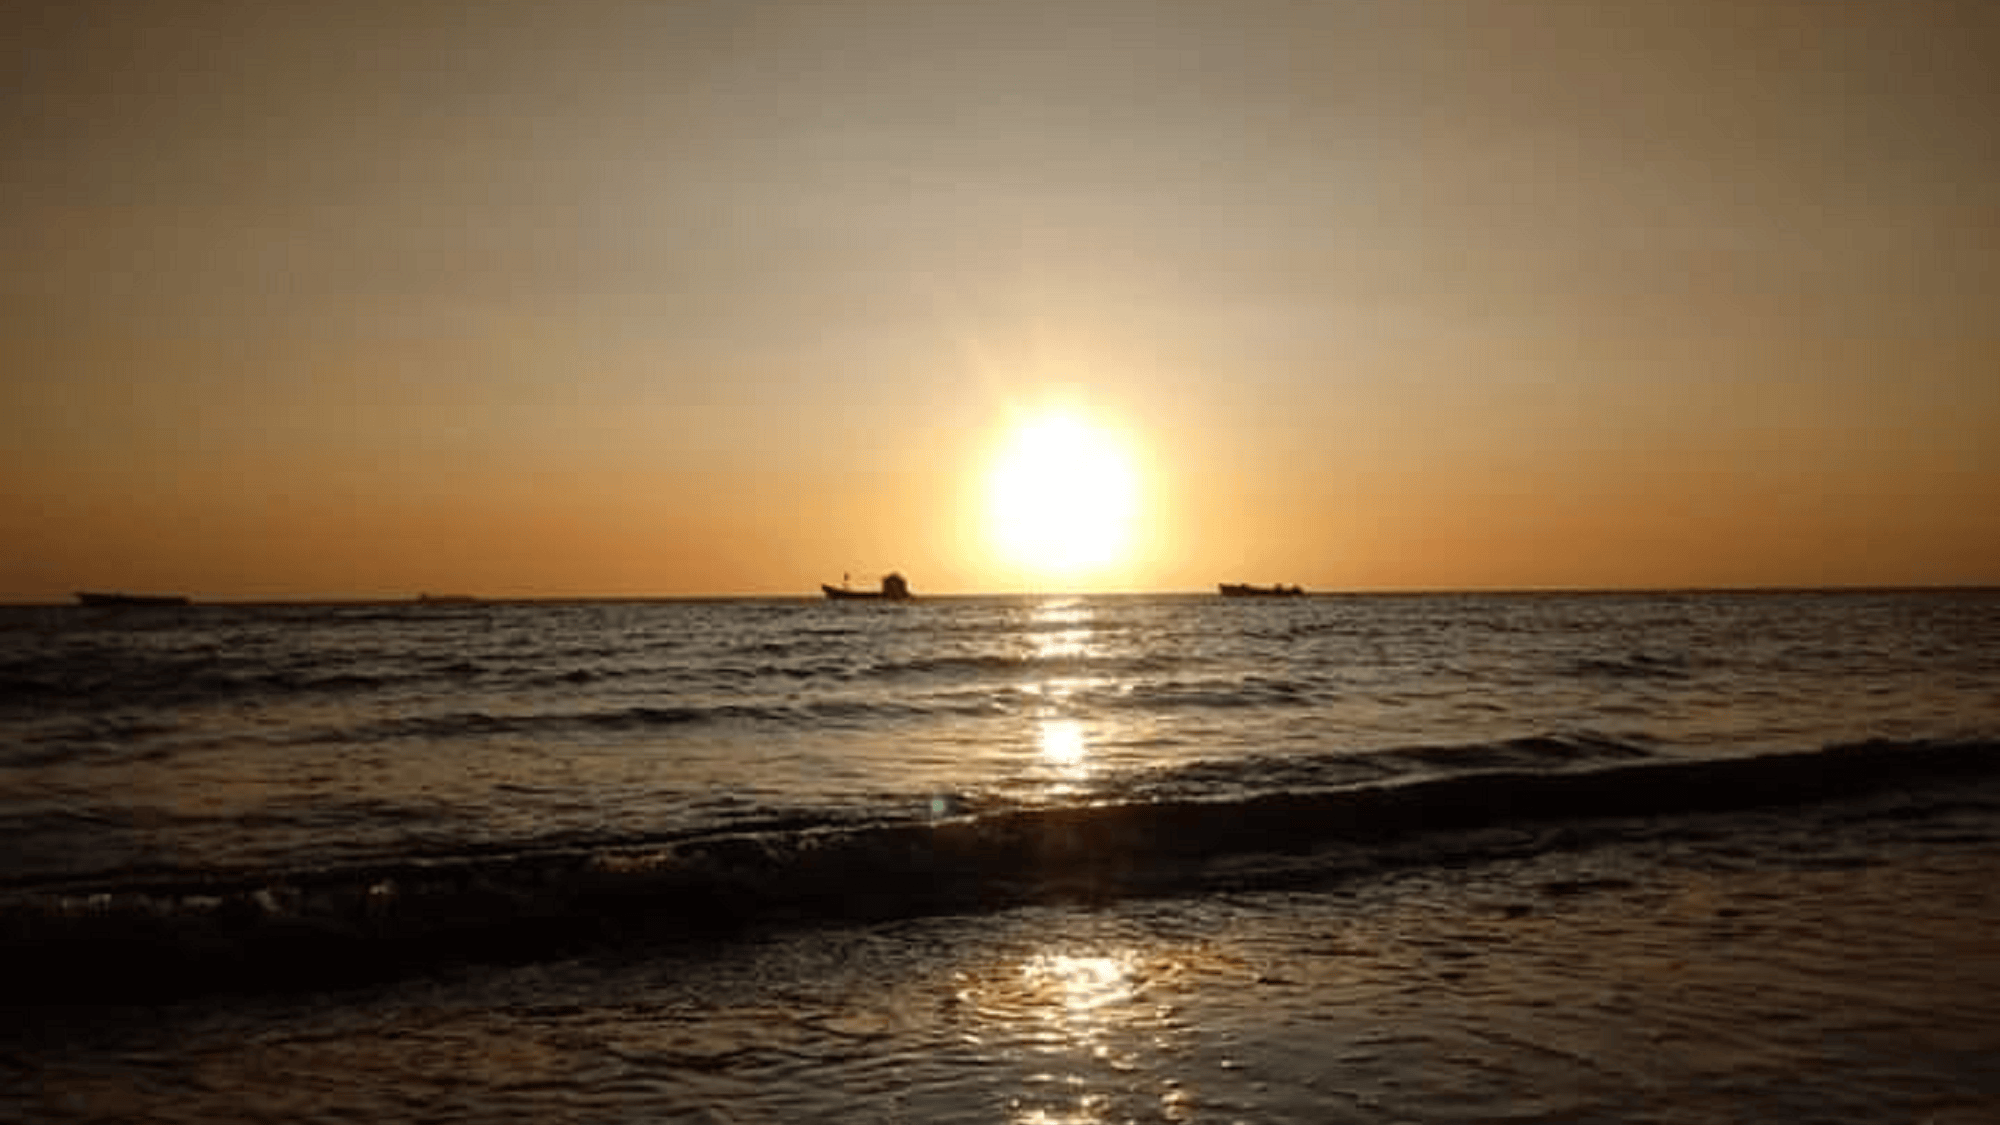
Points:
[(1837, 962), (275, 931)]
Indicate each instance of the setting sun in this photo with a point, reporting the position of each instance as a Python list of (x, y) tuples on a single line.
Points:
[(1061, 497)]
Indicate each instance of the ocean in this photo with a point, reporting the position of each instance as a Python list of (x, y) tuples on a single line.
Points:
[(1676, 856)]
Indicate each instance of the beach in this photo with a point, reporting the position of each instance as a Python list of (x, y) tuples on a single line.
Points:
[(1839, 962)]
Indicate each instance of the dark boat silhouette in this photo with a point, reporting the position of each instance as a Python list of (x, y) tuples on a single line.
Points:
[(894, 589), (1245, 590), (90, 597)]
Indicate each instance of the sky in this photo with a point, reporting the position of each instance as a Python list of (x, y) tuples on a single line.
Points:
[(360, 299)]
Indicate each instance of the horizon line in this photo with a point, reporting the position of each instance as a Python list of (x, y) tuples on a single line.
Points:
[(195, 601)]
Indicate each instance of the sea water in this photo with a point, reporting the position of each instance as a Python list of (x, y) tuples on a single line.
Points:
[(1426, 857)]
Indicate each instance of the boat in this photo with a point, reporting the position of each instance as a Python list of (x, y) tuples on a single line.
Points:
[(894, 589), (1245, 590), (89, 597)]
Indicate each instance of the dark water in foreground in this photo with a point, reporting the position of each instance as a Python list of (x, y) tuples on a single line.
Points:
[(1532, 857)]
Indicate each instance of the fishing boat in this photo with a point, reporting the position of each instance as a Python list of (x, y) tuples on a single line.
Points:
[(894, 589), (89, 597), (1245, 590)]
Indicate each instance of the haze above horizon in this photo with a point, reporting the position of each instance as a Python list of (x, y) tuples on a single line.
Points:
[(627, 299)]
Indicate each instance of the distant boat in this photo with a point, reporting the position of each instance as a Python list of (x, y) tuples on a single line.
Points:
[(86, 597), (1245, 590), (894, 589)]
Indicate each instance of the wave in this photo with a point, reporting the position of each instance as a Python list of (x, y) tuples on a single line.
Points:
[(1637, 666), (987, 666), (818, 713), (95, 680), (175, 932), (815, 714)]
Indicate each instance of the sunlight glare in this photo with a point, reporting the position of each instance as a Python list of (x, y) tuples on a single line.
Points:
[(1079, 985), (1062, 742), (1061, 497)]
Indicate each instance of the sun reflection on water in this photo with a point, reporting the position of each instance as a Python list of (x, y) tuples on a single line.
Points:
[(1080, 984), (1095, 1025), (1064, 753), (1061, 631), (1065, 645)]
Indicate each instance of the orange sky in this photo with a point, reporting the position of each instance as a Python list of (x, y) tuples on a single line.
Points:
[(362, 299)]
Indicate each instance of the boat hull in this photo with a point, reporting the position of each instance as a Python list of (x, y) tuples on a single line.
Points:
[(894, 589), (841, 594), (87, 597)]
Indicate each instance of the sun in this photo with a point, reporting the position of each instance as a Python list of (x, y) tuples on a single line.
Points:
[(1061, 497)]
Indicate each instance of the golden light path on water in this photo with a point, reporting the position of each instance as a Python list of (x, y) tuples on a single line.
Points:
[(1083, 1011), (1094, 1025), (1062, 631)]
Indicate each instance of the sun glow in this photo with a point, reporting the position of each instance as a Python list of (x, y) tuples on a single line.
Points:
[(1061, 498)]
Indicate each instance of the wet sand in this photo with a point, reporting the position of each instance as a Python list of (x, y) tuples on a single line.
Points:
[(1839, 963)]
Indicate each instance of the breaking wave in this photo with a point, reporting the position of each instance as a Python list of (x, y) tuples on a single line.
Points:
[(173, 931)]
